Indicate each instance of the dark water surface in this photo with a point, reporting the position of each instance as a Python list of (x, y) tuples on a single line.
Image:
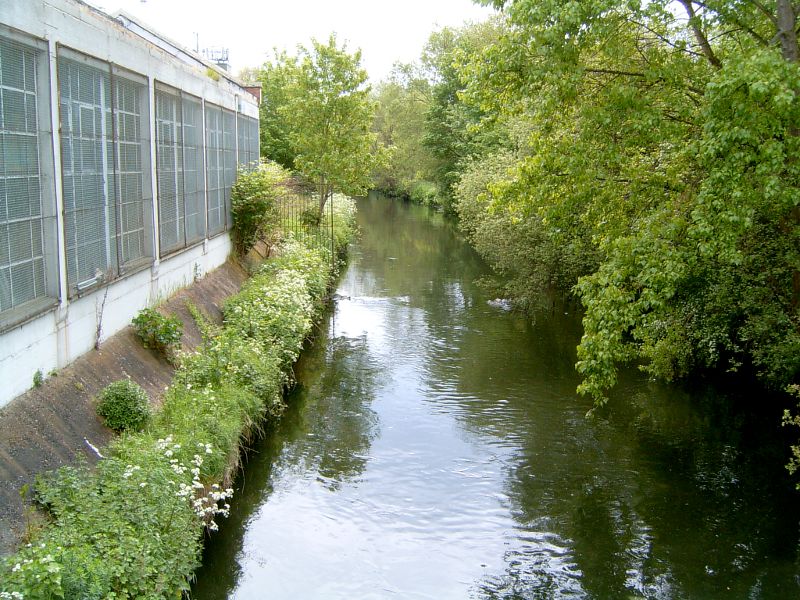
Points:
[(435, 448)]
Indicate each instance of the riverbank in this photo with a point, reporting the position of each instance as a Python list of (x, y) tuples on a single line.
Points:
[(52, 425), (133, 526)]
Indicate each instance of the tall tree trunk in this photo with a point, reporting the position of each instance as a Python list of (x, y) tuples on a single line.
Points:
[(786, 21)]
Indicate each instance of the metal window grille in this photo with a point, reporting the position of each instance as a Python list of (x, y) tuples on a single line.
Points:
[(215, 164), (193, 174), (169, 171), (132, 170), (247, 137), (179, 169), (253, 141), (105, 172), (23, 276), (229, 157)]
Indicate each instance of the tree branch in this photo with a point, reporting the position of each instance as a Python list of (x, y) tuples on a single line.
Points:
[(700, 36), (769, 14), (738, 22), (663, 38)]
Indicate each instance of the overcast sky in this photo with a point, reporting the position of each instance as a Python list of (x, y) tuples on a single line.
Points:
[(385, 31)]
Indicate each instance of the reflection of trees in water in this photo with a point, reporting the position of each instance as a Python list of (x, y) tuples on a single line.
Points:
[(668, 494), (328, 428), (407, 252), (338, 423)]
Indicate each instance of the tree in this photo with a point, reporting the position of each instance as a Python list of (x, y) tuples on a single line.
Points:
[(452, 132), (277, 79), (669, 143), (402, 104), (329, 114)]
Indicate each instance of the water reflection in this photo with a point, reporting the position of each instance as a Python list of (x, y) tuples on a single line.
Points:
[(435, 448)]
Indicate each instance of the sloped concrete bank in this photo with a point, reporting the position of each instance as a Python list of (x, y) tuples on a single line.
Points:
[(54, 424)]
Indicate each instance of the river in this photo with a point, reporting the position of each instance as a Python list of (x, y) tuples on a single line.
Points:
[(434, 448)]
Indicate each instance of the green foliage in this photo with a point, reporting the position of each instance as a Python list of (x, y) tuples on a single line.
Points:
[(340, 224), (402, 105), (643, 161), (316, 118), (311, 217), (453, 133), (124, 406), (793, 420), (253, 198), (119, 531), (330, 112), (132, 527), (424, 192), (275, 123), (160, 332), (38, 378)]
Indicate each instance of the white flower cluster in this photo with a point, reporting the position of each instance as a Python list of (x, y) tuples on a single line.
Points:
[(130, 470), (205, 506), (46, 564)]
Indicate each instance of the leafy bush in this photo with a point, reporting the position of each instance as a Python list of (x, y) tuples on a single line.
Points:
[(159, 332), (253, 203), (227, 357), (125, 530), (424, 192), (311, 217), (124, 406)]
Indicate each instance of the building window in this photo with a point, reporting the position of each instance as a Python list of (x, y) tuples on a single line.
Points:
[(28, 265), (221, 161), (105, 155), (179, 168), (247, 132)]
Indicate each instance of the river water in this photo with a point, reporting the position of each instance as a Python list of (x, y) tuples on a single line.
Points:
[(435, 448)]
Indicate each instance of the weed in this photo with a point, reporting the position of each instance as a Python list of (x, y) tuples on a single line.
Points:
[(124, 406), (159, 332)]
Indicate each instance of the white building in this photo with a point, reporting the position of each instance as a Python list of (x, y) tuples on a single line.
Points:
[(118, 149)]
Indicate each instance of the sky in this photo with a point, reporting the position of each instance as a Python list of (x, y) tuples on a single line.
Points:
[(385, 32)]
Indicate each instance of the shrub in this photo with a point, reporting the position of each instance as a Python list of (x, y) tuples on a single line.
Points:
[(131, 528), (159, 332), (424, 192), (253, 199), (124, 406)]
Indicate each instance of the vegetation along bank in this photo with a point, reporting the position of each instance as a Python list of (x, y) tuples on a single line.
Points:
[(133, 526)]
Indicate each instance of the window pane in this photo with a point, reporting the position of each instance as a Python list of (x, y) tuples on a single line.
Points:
[(214, 169), (21, 243), (193, 169), (130, 176), (169, 167), (90, 217)]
